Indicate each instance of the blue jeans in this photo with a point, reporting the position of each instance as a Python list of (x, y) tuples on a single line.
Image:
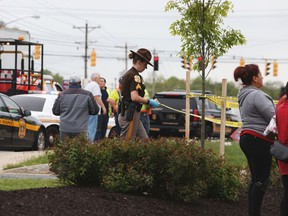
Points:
[(92, 127), (102, 127), (144, 118)]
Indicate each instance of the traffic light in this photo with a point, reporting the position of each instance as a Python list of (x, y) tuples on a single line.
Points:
[(275, 68), (184, 61), (93, 58), (156, 63), (267, 68), (213, 62), (242, 62), (37, 52), (200, 63)]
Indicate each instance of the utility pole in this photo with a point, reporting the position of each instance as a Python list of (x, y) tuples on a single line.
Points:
[(126, 54), (126, 57), (153, 76), (86, 45)]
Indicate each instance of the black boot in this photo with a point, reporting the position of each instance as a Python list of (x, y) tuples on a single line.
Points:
[(256, 194), (256, 199), (250, 197)]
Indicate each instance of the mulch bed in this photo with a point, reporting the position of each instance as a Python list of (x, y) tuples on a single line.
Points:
[(95, 201)]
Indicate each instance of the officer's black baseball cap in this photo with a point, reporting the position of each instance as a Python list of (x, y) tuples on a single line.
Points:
[(144, 54)]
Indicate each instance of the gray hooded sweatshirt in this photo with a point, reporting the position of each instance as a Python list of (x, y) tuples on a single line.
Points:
[(256, 109)]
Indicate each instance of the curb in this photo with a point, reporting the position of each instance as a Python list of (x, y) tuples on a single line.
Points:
[(27, 176), (41, 171)]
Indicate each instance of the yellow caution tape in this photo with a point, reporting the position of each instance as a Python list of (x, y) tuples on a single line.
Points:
[(217, 121), (231, 102), (218, 101)]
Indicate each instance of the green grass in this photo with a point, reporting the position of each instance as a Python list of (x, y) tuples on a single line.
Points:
[(33, 161), (232, 151), (8, 184), (19, 184)]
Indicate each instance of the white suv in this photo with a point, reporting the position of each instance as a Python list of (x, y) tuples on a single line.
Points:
[(40, 106)]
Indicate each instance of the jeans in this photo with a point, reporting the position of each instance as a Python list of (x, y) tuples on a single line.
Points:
[(92, 127), (144, 118), (102, 127)]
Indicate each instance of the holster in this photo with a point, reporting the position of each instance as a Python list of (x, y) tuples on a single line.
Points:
[(122, 109), (130, 107), (130, 111)]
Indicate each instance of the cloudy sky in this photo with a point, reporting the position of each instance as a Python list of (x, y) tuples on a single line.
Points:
[(113, 24)]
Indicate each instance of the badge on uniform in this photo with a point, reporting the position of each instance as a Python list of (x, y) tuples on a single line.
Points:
[(137, 78)]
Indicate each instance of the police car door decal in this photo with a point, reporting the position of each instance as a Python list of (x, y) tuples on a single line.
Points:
[(22, 128)]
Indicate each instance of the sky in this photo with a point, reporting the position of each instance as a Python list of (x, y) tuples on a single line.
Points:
[(114, 24)]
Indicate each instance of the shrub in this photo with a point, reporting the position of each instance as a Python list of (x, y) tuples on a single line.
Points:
[(74, 162), (166, 167)]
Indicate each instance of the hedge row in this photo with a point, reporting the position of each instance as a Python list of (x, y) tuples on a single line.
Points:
[(165, 168)]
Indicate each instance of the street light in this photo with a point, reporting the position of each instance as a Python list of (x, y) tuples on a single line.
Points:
[(3, 24)]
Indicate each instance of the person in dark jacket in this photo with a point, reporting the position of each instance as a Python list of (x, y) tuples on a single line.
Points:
[(103, 118), (74, 106)]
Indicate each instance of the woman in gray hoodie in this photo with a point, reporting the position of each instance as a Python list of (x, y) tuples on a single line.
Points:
[(256, 109)]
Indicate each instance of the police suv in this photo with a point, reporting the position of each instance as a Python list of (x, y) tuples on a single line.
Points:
[(18, 129)]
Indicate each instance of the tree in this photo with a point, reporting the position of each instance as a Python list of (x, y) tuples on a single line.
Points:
[(273, 89), (162, 84), (202, 36), (57, 77)]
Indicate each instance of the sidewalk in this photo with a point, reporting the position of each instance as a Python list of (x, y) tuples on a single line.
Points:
[(36, 171)]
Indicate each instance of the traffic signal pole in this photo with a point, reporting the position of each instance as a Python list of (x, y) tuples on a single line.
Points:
[(156, 68), (86, 45), (187, 113)]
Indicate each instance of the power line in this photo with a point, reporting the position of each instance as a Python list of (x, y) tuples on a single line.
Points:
[(86, 44)]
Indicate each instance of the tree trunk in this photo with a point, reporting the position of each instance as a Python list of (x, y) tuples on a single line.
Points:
[(203, 80)]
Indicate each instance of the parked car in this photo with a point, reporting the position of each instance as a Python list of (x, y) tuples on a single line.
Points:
[(111, 129), (18, 129), (169, 122), (40, 106), (50, 85)]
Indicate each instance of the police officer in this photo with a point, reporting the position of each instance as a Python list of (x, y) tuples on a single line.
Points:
[(133, 90)]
